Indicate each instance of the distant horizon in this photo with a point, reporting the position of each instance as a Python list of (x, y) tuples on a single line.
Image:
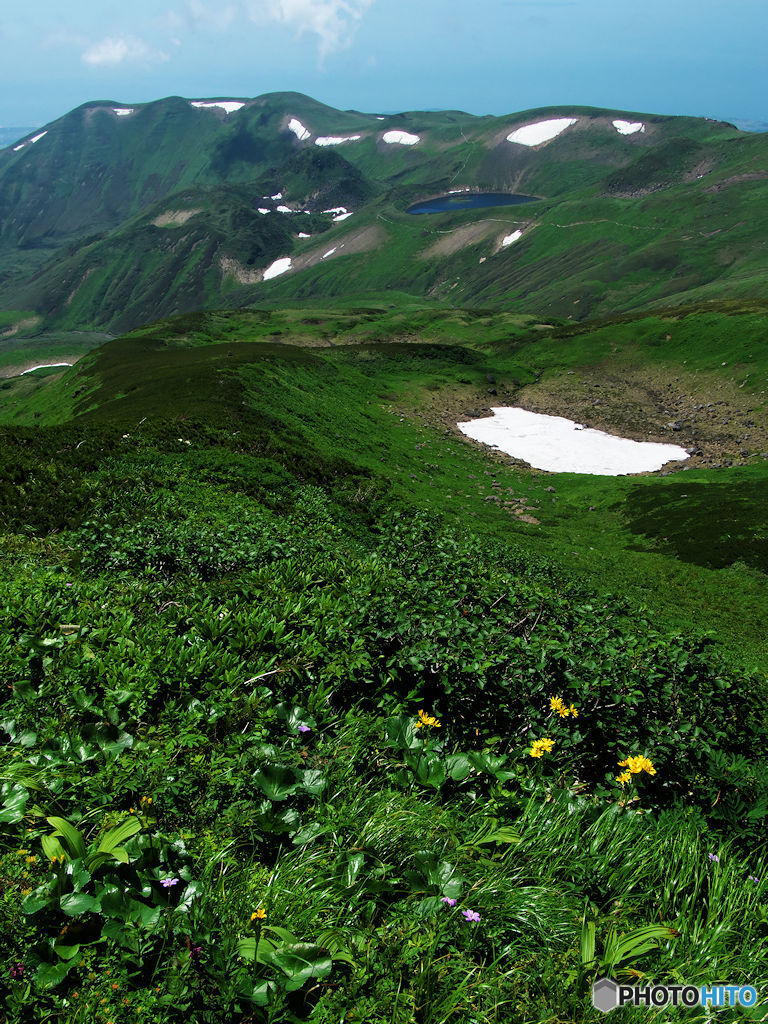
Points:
[(743, 123)]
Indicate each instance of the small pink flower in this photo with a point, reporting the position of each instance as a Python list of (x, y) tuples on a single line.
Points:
[(304, 728), (471, 915), (448, 900)]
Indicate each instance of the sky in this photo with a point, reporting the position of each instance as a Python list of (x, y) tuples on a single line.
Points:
[(382, 56)]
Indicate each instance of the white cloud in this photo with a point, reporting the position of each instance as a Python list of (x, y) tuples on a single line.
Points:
[(116, 50), (332, 21), (220, 16)]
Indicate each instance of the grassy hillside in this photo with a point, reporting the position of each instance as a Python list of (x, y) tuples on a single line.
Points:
[(379, 389), (253, 649)]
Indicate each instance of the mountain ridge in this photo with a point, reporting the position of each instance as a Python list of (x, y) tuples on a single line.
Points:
[(83, 193)]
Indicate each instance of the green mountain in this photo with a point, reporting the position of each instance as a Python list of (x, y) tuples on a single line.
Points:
[(111, 219)]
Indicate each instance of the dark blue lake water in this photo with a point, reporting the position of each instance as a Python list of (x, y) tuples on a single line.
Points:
[(468, 201)]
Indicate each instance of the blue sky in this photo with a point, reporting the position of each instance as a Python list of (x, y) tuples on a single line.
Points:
[(496, 57)]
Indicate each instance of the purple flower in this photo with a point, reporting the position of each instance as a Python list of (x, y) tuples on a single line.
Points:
[(754, 878), (714, 857), (471, 915), (304, 728), (168, 882), (17, 971), (448, 900), (194, 952)]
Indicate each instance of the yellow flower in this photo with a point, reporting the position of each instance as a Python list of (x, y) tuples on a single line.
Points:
[(425, 719), (624, 778), (638, 764), (259, 915), (538, 747), (556, 704)]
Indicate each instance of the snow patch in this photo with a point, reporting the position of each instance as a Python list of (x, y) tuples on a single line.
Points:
[(42, 366), (123, 111), (541, 131), (336, 209), (340, 217), (335, 140), (401, 138), (303, 234), (28, 142), (558, 445), (279, 195), (628, 127), (263, 210), (298, 129), (329, 253), (278, 267), (509, 239), (229, 106), (285, 209)]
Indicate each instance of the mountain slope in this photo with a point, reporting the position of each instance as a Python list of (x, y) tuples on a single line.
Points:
[(633, 211)]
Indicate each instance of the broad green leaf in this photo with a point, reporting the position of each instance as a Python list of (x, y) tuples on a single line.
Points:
[(246, 948), (402, 732), (117, 836), (79, 876), (52, 847), (73, 837), (294, 716), (445, 876), (50, 975), (314, 782), (123, 742), (149, 917), (276, 781), (15, 799), (459, 766), (302, 961), (259, 993), (354, 861), (308, 833), (75, 903), (113, 901), (66, 952), (281, 933), (262, 952), (36, 901)]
